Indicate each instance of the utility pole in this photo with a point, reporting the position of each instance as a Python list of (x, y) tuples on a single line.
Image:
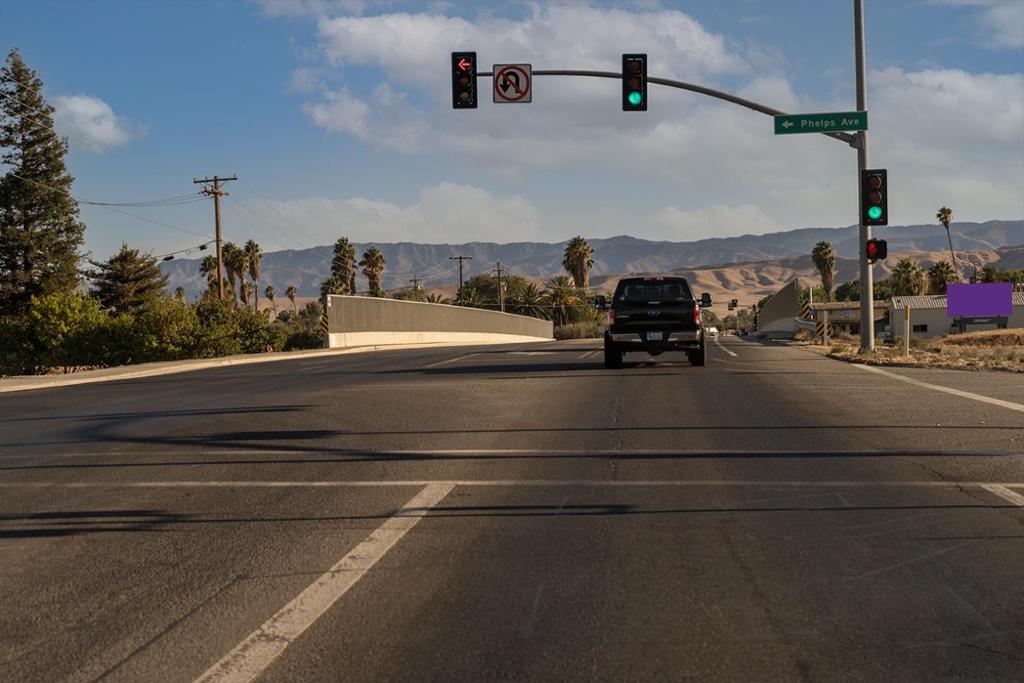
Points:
[(216, 193), (501, 288), (460, 258), (867, 287), (415, 286)]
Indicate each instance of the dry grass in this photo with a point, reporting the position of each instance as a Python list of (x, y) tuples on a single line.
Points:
[(995, 350), (1013, 337)]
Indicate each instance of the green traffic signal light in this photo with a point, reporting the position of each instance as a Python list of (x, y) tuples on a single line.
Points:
[(635, 98), (874, 212)]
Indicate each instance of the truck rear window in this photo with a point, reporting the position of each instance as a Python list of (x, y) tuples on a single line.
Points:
[(645, 292)]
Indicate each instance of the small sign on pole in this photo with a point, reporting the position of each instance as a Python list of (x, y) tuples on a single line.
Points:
[(513, 83)]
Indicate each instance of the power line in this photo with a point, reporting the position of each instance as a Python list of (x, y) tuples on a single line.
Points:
[(186, 250), (242, 218), (106, 206), (249, 188), (257, 217)]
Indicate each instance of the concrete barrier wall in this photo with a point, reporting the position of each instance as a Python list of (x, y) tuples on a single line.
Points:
[(780, 311), (361, 321)]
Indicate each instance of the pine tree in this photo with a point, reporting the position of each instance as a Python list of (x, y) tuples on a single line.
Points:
[(40, 232), (129, 281)]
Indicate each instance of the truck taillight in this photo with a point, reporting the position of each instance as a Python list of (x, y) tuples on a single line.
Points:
[(696, 315), (611, 316)]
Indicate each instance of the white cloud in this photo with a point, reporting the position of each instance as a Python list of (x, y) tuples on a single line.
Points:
[(719, 220), (91, 122), (1001, 21), (1005, 20), (443, 213)]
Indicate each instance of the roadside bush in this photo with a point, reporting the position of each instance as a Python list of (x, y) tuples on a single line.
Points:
[(582, 330), (62, 329)]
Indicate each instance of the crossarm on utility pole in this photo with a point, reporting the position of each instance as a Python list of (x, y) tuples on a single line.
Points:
[(682, 85)]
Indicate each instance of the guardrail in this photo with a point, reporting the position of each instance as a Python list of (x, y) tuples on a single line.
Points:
[(362, 321)]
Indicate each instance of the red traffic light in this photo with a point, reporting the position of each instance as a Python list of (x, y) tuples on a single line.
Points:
[(465, 64), (876, 250)]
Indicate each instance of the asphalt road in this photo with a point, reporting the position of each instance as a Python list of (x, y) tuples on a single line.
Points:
[(516, 513)]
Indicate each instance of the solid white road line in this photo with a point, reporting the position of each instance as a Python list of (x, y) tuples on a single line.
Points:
[(597, 483), (946, 390), (1005, 494), (719, 344), (254, 654)]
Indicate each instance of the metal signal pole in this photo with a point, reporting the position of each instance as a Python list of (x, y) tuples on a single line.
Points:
[(216, 193), (867, 287), (460, 258)]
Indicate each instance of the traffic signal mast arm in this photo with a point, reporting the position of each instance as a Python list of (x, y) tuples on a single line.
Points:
[(700, 89)]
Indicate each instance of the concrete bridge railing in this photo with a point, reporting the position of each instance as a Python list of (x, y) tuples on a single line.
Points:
[(370, 321)]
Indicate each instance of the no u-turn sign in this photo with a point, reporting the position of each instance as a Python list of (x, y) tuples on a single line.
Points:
[(513, 83)]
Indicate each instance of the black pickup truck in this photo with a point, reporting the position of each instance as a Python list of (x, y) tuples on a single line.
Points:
[(654, 315)]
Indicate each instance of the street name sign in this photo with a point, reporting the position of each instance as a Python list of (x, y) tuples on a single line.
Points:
[(513, 83), (788, 124)]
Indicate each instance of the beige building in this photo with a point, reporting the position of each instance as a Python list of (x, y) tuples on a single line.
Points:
[(928, 316)]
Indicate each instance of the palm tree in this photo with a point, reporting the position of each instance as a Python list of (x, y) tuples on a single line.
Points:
[(290, 293), (234, 265), (435, 298), (269, 292), (333, 285), (245, 290), (208, 269), (939, 275), (824, 258), (945, 216), (255, 256), (529, 301), (578, 260), (474, 298), (908, 278), (561, 297), (373, 267), (343, 264)]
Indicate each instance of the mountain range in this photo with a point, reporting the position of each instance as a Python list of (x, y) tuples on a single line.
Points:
[(614, 256)]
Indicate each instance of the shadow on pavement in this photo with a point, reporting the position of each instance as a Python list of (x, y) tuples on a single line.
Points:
[(74, 523)]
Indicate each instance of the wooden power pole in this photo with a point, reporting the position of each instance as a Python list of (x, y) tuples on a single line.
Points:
[(460, 258), (216, 193), (501, 288)]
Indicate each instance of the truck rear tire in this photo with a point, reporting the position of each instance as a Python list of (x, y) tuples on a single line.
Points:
[(612, 355), (698, 357)]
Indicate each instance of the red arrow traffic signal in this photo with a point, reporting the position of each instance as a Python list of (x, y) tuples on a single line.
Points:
[(464, 80)]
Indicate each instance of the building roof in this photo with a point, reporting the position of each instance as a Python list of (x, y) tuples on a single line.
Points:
[(936, 301)]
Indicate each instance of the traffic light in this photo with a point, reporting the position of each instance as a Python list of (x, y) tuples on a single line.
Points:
[(874, 191), (464, 80), (634, 82), (876, 250)]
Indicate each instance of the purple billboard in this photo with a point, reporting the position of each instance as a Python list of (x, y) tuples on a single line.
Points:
[(979, 300)]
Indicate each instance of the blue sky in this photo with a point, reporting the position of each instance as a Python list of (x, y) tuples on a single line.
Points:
[(336, 115)]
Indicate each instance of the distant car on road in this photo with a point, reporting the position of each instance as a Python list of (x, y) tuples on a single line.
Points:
[(654, 315), (712, 332)]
